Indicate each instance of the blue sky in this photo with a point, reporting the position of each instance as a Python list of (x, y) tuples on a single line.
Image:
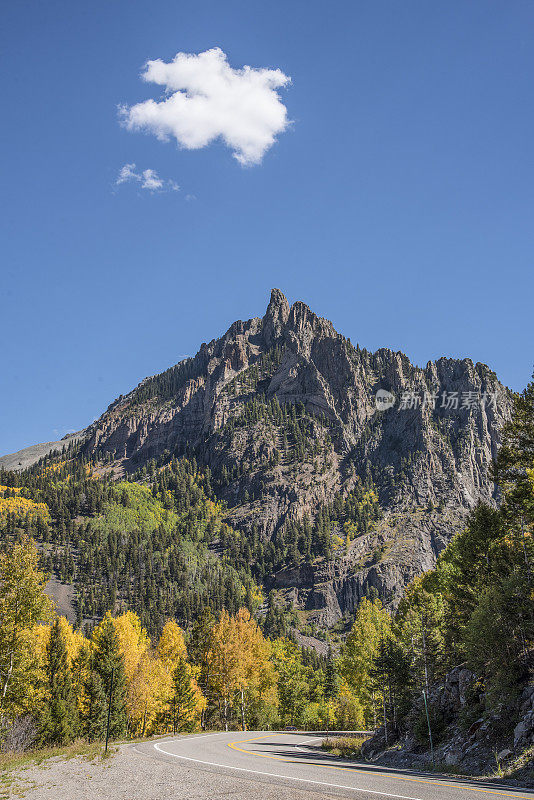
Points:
[(398, 203)]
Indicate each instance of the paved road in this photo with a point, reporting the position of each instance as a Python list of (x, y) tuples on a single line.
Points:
[(296, 760)]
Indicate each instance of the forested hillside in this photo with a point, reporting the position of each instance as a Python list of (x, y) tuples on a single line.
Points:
[(152, 546), (158, 543), (177, 614)]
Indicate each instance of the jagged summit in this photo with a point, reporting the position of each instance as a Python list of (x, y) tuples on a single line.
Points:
[(275, 317), (315, 366), (278, 305)]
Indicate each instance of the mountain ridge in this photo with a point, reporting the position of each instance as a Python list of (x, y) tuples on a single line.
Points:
[(282, 411)]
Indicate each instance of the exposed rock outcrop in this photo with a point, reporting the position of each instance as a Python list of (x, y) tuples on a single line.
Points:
[(482, 746)]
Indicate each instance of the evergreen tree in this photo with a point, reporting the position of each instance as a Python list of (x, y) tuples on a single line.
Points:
[(58, 716), (331, 680), (93, 716), (200, 638), (108, 661), (512, 470), (80, 668), (391, 676), (184, 701)]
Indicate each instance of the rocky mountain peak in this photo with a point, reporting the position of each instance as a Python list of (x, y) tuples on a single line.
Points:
[(283, 411)]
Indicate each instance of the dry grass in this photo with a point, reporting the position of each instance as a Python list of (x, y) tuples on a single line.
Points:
[(346, 746), (12, 765), (15, 762), (78, 748)]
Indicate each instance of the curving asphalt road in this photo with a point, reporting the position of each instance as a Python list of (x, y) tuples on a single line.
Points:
[(295, 759)]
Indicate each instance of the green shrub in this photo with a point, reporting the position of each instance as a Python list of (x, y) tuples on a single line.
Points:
[(437, 726)]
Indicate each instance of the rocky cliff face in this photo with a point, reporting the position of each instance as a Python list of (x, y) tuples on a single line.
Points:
[(283, 410)]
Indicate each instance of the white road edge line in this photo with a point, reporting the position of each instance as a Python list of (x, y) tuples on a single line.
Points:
[(307, 741), (199, 736), (284, 777)]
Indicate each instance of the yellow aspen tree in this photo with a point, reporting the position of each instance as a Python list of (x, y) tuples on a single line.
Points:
[(224, 662), (133, 640), (171, 652), (255, 676), (372, 624), (23, 603), (134, 647), (147, 689), (348, 709)]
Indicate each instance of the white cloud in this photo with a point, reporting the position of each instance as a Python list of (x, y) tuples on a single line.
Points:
[(151, 180), (127, 173), (147, 179), (205, 98)]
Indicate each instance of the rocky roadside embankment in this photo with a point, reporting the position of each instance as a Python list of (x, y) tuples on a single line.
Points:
[(470, 736)]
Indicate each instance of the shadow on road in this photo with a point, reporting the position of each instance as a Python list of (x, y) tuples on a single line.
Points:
[(308, 754)]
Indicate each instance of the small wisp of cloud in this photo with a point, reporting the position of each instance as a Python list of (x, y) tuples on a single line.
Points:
[(205, 99), (147, 179)]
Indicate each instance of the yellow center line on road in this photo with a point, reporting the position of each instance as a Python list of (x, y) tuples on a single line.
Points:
[(233, 745)]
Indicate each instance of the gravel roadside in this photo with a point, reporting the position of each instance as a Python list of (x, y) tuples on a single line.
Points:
[(132, 775)]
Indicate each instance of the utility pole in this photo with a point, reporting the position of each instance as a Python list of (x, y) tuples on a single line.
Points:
[(385, 717), (109, 708), (242, 710), (429, 729), (527, 564), (424, 652)]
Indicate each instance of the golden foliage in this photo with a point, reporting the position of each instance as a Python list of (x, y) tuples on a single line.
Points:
[(133, 641), (239, 662), (148, 673), (23, 604), (148, 693), (371, 624), (171, 645), (22, 507)]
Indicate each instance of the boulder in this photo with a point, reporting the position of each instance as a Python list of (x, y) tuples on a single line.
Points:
[(453, 757), (524, 730), (465, 681), (504, 754), (527, 700)]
